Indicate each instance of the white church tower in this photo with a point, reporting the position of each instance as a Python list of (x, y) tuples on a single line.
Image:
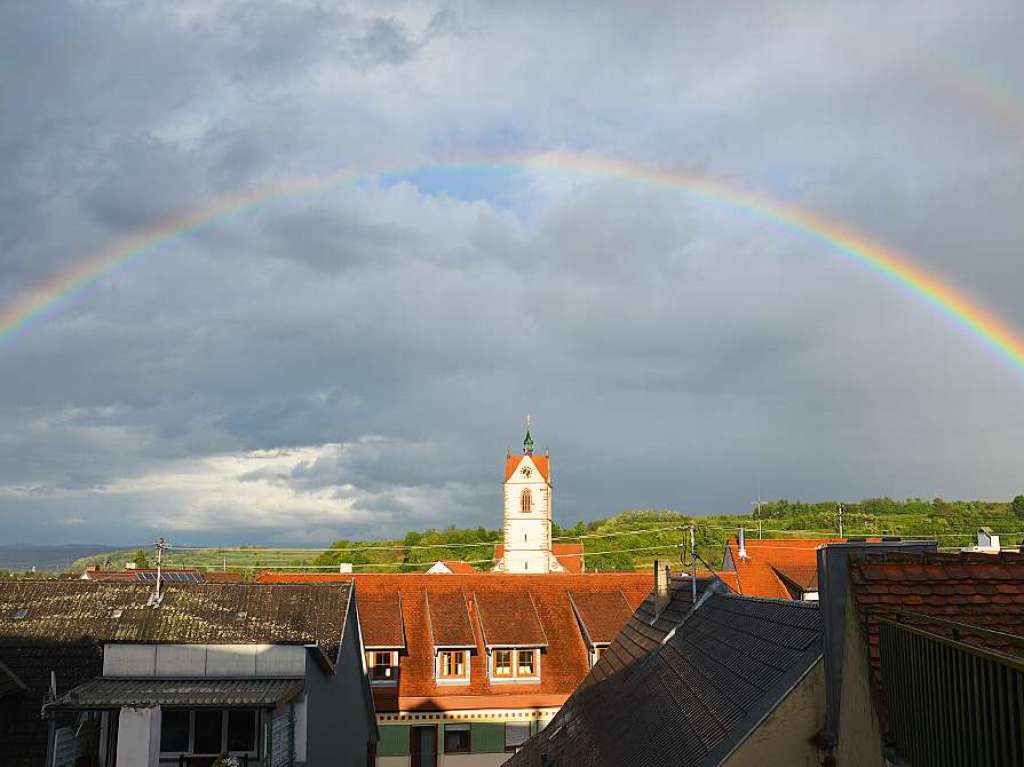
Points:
[(527, 545)]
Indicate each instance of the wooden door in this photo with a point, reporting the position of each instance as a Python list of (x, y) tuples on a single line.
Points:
[(423, 747)]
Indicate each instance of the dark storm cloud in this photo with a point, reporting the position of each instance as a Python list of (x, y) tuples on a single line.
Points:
[(355, 360)]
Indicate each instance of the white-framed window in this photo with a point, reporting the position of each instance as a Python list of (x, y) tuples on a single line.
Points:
[(452, 666), (209, 732), (382, 666), (515, 665)]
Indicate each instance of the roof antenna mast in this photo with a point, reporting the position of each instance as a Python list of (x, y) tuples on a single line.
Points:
[(154, 599)]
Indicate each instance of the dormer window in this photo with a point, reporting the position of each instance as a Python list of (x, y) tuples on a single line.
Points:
[(452, 666), (383, 667), (515, 665), (596, 653)]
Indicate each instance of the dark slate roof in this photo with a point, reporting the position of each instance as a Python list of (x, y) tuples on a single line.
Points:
[(691, 700), (645, 631), (235, 613), (9, 682), (114, 693)]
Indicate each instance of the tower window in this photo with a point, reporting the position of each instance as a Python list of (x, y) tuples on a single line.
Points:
[(526, 501)]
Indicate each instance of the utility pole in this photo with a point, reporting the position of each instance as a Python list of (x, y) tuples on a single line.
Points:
[(693, 563), (154, 599), (840, 520)]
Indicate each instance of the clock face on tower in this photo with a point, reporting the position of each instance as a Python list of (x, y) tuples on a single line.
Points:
[(526, 471)]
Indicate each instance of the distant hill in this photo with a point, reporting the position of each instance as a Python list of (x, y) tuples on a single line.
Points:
[(628, 540), (21, 557)]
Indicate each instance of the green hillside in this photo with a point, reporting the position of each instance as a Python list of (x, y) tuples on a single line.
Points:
[(631, 539)]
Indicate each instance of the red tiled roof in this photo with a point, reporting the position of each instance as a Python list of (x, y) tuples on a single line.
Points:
[(565, 659), (119, 576), (542, 462), (982, 590), (601, 615), (457, 566), (448, 616), (757, 575), (509, 619), (380, 618), (569, 555)]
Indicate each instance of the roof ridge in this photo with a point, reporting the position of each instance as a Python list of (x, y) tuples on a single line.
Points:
[(802, 604)]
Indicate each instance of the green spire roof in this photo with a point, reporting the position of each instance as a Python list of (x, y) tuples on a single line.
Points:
[(528, 443)]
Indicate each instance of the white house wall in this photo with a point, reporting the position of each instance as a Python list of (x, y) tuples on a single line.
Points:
[(141, 660)]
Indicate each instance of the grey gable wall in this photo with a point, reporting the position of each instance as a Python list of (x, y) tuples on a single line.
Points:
[(339, 715)]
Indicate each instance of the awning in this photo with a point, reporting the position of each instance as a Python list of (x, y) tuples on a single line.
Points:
[(114, 693)]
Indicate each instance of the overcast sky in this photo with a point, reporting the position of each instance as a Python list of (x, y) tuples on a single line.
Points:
[(355, 360)]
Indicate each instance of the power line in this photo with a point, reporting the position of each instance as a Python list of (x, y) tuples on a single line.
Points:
[(412, 547), (257, 550)]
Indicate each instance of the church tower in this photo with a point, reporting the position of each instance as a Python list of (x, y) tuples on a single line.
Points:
[(527, 528)]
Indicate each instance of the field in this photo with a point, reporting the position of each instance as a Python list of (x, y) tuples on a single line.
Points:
[(627, 541)]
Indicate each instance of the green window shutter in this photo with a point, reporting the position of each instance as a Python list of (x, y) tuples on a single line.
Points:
[(394, 740), (487, 738)]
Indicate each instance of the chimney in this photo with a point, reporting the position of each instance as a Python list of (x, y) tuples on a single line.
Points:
[(661, 591), (743, 544), (986, 540)]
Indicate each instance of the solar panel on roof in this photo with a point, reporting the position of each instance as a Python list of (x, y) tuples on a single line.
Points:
[(169, 576)]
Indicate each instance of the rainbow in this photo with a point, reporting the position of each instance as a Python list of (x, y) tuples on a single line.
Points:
[(977, 88), (855, 246)]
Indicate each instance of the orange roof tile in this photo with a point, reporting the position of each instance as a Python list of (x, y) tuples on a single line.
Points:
[(380, 618), (542, 462), (569, 555), (448, 619), (602, 616), (509, 619), (565, 660), (457, 566), (757, 574), (974, 590), (984, 590)]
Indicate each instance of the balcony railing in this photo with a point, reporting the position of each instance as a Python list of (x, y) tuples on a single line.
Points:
[(950, 703)]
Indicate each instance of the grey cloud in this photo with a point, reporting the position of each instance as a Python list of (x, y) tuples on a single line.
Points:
[(670, 350)]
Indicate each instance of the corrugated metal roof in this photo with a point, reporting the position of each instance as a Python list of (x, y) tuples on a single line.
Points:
[(114, 693)]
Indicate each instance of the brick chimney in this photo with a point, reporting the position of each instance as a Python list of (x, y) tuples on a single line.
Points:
[(662, 595)]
